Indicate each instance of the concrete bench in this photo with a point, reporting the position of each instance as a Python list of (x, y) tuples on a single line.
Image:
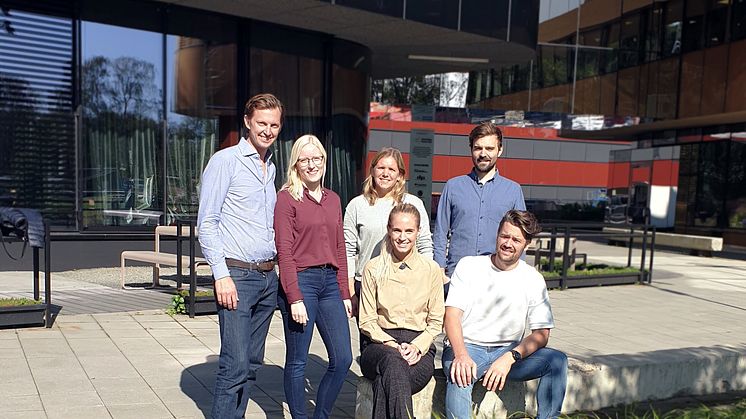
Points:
[(156, 258), (430, 402), (697, 245)]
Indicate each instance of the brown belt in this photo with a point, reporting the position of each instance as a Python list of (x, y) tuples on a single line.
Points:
[(264, 266)]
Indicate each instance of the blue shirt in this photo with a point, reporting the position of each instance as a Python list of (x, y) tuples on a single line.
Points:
[(236, 208), (470, 213)]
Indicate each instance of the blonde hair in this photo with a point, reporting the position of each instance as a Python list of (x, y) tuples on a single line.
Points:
[(369, 187), (387, 251), (293, 183)]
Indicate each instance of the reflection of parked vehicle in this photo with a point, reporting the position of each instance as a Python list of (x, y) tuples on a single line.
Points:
[(616, 210)]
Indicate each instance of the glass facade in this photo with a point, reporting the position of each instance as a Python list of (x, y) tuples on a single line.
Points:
[(712, 180), (144, 97), (613, 63), (625, 62)]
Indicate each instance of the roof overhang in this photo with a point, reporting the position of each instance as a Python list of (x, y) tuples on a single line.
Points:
[(392, 40)]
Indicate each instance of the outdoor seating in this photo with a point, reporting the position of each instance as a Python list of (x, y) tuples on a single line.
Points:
[(158, 258)]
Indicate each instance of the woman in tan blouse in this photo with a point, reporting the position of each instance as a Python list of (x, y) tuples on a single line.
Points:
[(401, 313)]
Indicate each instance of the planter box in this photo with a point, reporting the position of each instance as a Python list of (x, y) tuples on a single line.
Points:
[(202, 305), (595, 280), (22, 316)]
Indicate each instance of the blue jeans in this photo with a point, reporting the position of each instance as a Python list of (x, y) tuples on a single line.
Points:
[(325, 309), (243, 332), (548, 365)]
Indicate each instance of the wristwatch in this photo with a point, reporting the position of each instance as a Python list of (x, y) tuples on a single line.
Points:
[(516, 355)]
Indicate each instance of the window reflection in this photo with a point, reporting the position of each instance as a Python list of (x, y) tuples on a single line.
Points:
[(122, 112), (298, 82), (202, 109), (736, 199)]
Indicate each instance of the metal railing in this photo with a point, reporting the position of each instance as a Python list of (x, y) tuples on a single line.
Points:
[(590, 231)]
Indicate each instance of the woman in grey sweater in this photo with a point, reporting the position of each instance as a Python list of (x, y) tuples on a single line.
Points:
[(366, 216)]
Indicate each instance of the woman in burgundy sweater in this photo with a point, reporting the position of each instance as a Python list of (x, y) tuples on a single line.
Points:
[(313, 274)]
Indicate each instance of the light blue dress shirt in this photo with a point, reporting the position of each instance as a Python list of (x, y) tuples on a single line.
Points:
[(470, 213), (236, 208)]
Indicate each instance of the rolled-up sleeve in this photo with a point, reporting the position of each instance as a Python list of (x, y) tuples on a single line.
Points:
[(216, 180)]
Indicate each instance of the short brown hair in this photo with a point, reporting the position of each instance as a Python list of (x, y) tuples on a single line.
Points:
[(263, 101), (524, 220), (485, 129)]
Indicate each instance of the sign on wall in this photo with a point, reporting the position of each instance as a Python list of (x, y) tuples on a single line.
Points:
[(421, 149)]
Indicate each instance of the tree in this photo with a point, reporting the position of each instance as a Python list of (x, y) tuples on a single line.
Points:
[(435, 89)]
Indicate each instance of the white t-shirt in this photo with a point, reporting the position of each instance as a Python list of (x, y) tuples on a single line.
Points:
[(498, 304)]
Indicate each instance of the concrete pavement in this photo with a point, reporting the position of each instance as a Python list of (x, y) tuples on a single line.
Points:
[(626, 343)]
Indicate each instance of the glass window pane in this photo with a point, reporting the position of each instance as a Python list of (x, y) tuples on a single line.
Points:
[(434, 12), (673, 15), (37, 137), (201, 104), (629, 43), (121, 128), (717, 18), (712, 181), (736, 199), (738, 20), (489, 18), (298, 82)]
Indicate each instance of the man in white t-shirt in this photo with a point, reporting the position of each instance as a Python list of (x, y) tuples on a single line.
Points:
[(490, 302)]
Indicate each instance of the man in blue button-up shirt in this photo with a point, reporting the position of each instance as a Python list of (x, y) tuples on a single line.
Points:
[(236, 233), (471, 206)]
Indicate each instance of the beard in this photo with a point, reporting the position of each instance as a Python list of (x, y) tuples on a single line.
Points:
[(484, 169)]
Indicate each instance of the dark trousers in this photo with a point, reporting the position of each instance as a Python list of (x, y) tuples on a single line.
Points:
[(394, 381)]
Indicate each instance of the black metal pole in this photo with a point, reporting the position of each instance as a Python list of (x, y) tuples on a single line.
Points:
[(36, 273), (643, 275), (552, 247), (179, 278), (565, 259), (47, 276), (652, 253), (192, 272), (629, 246)]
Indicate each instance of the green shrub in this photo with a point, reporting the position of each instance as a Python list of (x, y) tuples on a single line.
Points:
[(178, 302)]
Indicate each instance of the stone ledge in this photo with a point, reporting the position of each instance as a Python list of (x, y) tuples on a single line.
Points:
[(684, 241), (598, 382)]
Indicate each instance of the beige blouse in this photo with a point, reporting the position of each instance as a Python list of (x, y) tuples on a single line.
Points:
[(409, 297)]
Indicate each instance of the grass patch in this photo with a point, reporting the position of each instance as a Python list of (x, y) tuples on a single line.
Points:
[(15, 302), (736, 410)]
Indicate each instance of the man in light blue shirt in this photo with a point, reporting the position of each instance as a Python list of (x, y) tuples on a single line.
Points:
[(471, 206), (236, 233)]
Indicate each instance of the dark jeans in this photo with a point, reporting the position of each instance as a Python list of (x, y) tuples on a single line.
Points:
[(323, 302), (395, 381), (242, 335)]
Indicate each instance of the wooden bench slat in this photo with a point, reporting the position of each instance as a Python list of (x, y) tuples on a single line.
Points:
[(149, 256)]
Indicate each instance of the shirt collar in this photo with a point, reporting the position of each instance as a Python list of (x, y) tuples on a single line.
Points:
[(247, 149), (409, 262), (307, 194), (475, 178)]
